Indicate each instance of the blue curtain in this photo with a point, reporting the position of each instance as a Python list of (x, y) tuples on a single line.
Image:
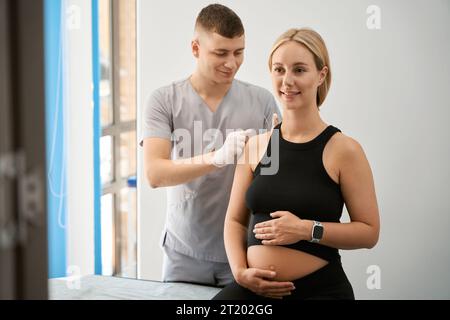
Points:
[(55, 153)]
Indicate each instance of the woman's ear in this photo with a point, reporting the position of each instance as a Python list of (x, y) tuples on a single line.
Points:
[(323, 75)]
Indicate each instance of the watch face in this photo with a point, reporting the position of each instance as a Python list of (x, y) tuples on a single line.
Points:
[(318, 232)]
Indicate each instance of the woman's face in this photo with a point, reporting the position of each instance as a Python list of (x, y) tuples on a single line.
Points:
[(295, 77)]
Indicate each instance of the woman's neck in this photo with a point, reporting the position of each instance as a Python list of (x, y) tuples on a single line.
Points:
[(302, 125)]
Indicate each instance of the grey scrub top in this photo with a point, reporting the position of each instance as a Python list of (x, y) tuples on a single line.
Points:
[(196, 210)]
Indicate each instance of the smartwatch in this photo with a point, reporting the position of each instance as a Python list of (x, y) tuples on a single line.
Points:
[(317, 232)]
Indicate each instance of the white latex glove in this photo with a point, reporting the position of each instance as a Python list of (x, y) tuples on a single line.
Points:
[(275, 120), (232, 148)]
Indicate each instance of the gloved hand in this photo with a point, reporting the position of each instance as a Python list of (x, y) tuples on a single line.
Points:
[(275, 120), (232, 147)]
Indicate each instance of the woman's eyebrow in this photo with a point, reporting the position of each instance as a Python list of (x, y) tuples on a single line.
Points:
[(295, 64)]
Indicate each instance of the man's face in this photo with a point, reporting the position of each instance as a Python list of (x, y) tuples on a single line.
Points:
[(218, 58)]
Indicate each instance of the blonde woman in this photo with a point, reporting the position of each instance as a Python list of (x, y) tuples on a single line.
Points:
[(283, 231)]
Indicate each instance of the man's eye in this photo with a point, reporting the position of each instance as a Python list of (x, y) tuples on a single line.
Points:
[(221, 54), (299, 70)]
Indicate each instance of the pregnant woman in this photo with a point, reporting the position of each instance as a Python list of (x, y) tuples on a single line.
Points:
[(282, 228)]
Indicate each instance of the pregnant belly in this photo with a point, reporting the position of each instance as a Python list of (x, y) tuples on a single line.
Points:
[(289, 264)]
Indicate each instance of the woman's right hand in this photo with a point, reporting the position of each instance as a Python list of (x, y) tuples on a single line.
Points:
[(261, 282)]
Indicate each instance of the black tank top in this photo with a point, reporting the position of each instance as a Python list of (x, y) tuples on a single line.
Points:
[(301, 186)]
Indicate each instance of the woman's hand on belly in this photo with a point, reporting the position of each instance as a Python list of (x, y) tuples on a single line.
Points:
[(284, 228), (261, 282)]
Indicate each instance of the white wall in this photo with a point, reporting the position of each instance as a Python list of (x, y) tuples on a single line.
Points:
[(79, 136), (389, 91)]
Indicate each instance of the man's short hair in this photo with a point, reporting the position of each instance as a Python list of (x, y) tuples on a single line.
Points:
[(221, 20)]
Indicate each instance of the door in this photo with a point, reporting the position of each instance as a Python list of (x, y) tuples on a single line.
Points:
[(23, 223)]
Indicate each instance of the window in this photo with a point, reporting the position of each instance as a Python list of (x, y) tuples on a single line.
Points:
[(117, 42)]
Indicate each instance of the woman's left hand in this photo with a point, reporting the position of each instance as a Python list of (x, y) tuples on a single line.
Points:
[(284, 228)]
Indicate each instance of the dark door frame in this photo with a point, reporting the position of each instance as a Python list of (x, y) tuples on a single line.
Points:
[(23, 220)]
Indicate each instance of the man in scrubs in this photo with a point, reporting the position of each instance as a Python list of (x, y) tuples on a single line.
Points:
[(193, 132)]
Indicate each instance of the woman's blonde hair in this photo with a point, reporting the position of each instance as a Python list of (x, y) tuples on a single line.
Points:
[(315, 44)]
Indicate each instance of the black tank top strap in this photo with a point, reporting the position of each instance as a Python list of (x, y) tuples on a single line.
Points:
[(326, 135)]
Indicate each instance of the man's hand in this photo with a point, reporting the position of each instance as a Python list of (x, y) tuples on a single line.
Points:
[(232, 148), (260, 282), (275, 120)]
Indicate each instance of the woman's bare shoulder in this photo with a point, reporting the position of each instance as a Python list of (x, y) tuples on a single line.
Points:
[(257, 145), (255, 140), (345, 147)]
